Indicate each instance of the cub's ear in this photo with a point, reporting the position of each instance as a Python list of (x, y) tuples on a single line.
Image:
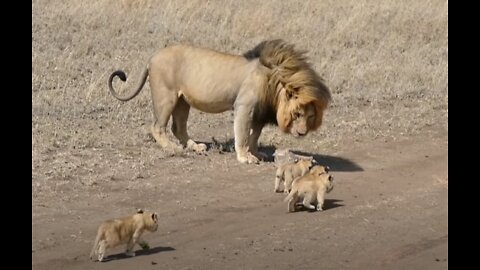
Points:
[(139, 211), (327, 169), (154, 217), (330, 178)]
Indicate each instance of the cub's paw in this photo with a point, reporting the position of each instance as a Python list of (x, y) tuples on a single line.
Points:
[(130, 253)]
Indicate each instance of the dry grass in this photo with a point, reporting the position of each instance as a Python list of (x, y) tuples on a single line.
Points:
[(386, 63)]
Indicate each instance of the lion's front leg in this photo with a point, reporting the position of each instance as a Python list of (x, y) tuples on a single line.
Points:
[(242, 125), (256, 130)]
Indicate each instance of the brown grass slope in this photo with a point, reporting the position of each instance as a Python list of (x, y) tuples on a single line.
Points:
[(386, 63)]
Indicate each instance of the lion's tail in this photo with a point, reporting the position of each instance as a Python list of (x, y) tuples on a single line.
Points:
[(123, 77), (291, 194), (95, 245)]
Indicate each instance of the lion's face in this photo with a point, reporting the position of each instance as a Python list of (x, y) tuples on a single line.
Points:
[(302, 119), (299, 111)]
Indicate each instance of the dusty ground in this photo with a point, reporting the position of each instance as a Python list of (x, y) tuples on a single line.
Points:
[(388, 210), (385, 137)]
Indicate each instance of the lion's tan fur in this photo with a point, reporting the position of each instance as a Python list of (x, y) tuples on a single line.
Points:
[(126, 230), (311, 188), (271, 84)]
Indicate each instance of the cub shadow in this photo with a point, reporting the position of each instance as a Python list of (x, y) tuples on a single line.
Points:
[(327, 205), (141, 252)]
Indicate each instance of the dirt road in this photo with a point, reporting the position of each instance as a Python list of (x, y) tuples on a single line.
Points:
[(388, 210)]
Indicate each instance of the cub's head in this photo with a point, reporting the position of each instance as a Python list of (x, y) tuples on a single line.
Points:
[(328, 180), (318, 170), (150, 220), (321, 174), (306, 162)]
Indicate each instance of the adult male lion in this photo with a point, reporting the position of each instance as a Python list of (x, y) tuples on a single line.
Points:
[(270, 84)]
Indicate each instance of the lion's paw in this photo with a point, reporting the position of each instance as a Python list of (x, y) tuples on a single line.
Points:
[(252, 159), (248, 158)]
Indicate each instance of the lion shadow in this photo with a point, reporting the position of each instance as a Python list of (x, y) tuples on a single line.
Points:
[(141, 252), (228, 146), (338, 164), (327, 205)]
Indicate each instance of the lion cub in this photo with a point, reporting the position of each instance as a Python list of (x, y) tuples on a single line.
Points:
[(286, 173), (127, 230), (311, 188)]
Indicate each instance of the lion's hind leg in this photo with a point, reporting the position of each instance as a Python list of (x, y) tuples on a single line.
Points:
[(164, 101), (179, 127)]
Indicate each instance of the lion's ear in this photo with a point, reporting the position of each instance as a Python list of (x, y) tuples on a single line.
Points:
[(291, 91)]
